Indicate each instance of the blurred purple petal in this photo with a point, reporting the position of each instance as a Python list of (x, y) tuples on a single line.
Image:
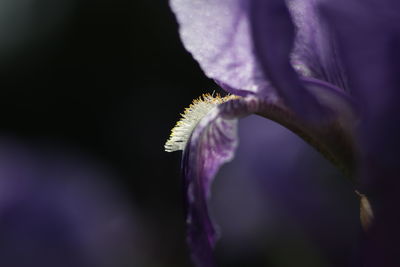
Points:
[(277, 189), (62, 210), (369, 40)]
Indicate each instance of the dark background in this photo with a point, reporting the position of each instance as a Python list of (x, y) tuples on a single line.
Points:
[(106, 80)]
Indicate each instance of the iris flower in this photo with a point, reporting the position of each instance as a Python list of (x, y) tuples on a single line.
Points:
[(326, 70)]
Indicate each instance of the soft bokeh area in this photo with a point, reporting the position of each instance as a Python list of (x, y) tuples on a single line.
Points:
[(59, 208), (89, 92), (280, 203)]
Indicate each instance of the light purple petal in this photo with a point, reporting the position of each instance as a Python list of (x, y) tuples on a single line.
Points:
[(217, 33), (245, 45), (315, 52)]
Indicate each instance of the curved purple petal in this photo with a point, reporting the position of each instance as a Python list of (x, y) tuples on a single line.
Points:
[(244, 45), (213, 143), (273, 32), (369, 41), (217, 34), (315, 52)]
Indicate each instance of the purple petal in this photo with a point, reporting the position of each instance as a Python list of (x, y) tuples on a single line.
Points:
[(217, 33), (244, 45), (274, 172), (334, 138), (315, 52), (213, 143), (369, 41), (273, 32)]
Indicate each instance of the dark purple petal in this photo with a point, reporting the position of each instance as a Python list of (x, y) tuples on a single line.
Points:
[(369, 41), (274, 172), (213, 143), (273, 33), (334, 138)]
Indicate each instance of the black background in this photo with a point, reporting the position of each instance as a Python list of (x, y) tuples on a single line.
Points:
[(110, 82)]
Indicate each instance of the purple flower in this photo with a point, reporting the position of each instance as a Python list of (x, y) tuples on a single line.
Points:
[(326, 71)]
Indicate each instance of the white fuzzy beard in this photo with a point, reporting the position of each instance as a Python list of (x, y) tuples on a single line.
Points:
[(200, 107)]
